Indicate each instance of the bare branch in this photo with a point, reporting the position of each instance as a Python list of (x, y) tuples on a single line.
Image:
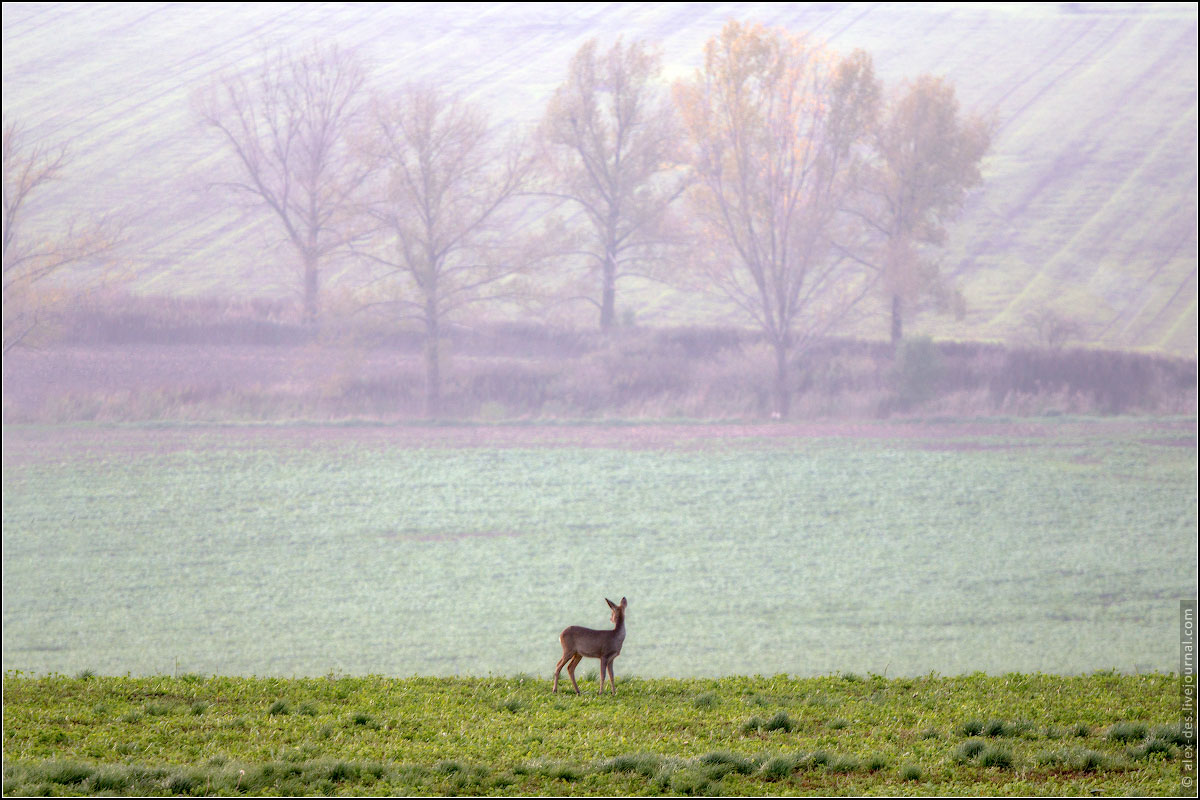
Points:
[(288, 127)]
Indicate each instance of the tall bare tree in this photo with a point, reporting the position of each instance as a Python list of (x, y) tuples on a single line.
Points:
[(775, 127), (288, 126), (443, 211), (927, 158), (37, 251), (610, 139)]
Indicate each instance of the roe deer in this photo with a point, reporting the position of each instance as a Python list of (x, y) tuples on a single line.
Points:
[(578, 642)]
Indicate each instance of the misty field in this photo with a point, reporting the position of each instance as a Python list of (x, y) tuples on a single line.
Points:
[(1058, 545)]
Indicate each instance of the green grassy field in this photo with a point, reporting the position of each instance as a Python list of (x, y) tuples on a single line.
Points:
[(1014, 734), (294, 550)]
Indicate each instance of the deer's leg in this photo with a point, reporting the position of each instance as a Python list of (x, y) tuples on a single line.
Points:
[(604, 661), (558, 669), (571, 671), (612, 679)]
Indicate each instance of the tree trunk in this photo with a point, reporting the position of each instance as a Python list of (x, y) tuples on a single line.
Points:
[(897, 322), (783, 398), (310, 289), (433, 376), (608, 294)]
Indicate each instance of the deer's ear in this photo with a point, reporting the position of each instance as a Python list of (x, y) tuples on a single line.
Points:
[(611, 604), (624, 602)]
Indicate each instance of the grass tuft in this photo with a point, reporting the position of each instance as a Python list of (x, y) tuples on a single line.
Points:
[(646, 764), (843, 764), (997, 727), (1174, 734), (995, 757), (65, 772), (778, 767), (734, 762), (279, 708), (910, 772), (968, 750), (781, 722), (1128, 732), (971, 727)]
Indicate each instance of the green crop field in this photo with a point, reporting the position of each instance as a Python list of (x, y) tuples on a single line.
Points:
[(1014, 734), (300, 550)]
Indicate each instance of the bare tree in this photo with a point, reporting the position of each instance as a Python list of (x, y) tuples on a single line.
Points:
[(926, 158), (35, 252), (443, 213), (288, 126), (776, 125), (610, 140)]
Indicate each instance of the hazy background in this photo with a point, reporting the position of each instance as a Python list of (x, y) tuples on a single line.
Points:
[(1088, 205)]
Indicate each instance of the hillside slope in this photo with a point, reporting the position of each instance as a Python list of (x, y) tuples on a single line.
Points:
[(1089, 206)]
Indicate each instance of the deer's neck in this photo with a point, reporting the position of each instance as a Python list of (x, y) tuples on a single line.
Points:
[(619, 630)]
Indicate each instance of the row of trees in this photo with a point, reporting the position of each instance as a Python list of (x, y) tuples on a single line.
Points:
[(781, 177)]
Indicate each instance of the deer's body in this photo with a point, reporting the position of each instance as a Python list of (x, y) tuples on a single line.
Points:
[(578, 642)]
